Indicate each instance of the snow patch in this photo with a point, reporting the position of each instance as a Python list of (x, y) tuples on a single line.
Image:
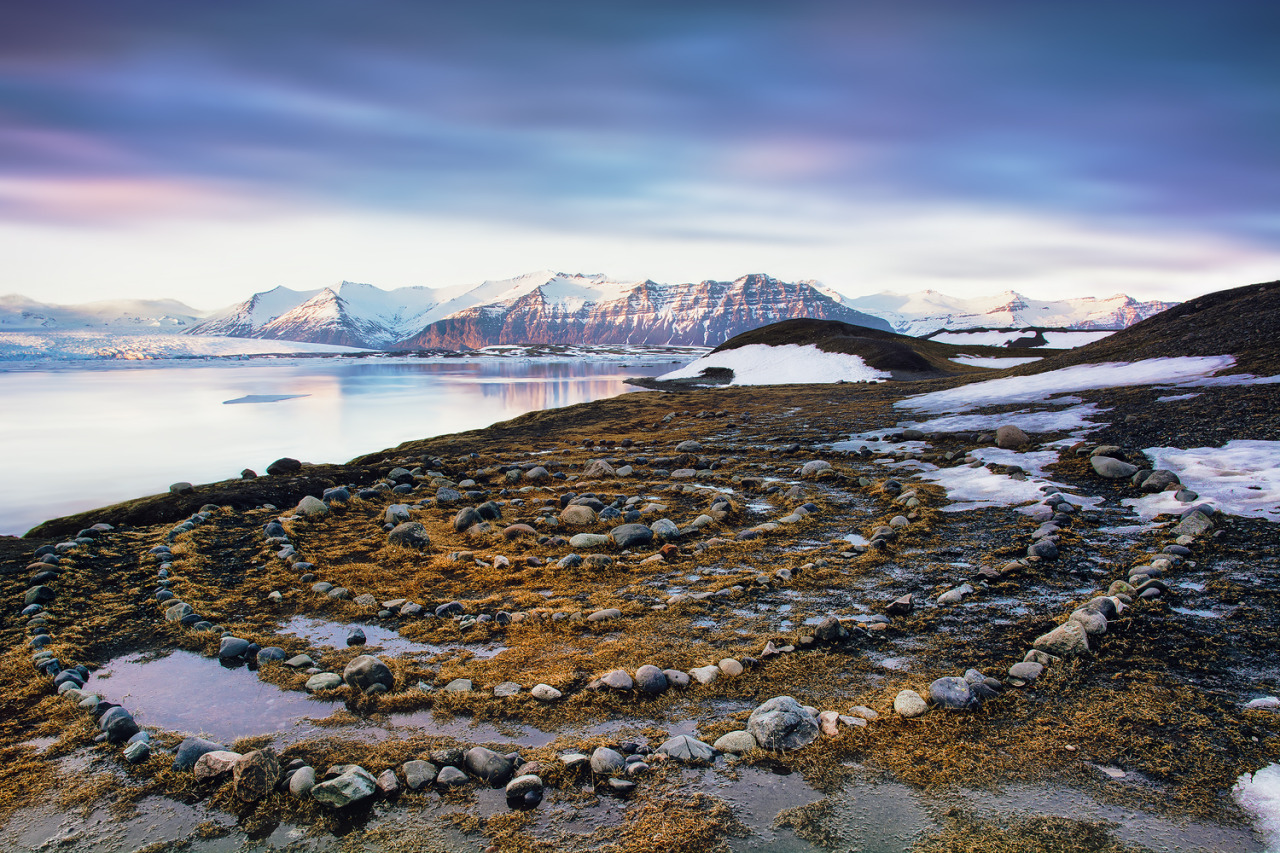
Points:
[(786, 364), (1240, 478), (1053, 340), (1075, 419), (1259, 794), (881, 446), (993, 361), (1081, 377), (1230, 381), (1033, 462), (979, 488)]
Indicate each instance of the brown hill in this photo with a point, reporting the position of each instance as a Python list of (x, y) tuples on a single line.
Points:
[(902, 355), (1243, 322)]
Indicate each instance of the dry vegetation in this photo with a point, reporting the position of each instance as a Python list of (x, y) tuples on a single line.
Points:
[(1138, 703)]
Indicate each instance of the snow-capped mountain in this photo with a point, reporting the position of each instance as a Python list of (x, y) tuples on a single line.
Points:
[(554, 308), (128, 316), (350, 314), (928, 311), (241, 321), (543, 307)]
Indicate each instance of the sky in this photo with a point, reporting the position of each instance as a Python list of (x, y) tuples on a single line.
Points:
[(206, 151)]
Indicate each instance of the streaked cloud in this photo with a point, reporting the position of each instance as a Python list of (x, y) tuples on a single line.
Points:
[(1090, 131)]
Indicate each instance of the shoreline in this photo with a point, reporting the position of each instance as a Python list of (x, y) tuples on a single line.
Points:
[(763, 431)]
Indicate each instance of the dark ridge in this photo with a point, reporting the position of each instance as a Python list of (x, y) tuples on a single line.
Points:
[(905, 357), (166, 508), (1022, 329), (1243, 322)]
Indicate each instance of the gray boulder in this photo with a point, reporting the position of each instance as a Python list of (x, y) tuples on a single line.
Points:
[(814, 468), (665, 529), (190, 750), (650, 679), (584, 541), (909, 704), (309, 506), (631, 536), (418, 774), (1067, 640), (1011, 437), (492, 767), (782, 723), (302, 782), (607, 762), (367, 671), (353, 785), (232, 648), (526, 789), (1112, 469), (617, 679), (118, 724), (688, 750), (1025, 672), (388, 784), (952, 692), (736, 743), (409, 534), (1159, 480), (466, 517), (451, 777)]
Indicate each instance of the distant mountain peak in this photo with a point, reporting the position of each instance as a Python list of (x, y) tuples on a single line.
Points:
[(927, 311), (551, 306)]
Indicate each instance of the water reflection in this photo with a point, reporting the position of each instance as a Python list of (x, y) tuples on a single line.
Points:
[(82, 437), (185, 692), (379, 640)]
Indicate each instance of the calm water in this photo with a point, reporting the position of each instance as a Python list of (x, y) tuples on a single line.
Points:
[(77, 437)]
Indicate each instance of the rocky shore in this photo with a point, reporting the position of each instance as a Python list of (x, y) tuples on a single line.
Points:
[(586, 628)]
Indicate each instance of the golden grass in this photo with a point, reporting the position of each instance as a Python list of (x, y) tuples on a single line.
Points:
[(1121, 706)]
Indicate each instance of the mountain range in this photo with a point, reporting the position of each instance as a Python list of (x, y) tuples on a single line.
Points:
[(928, 311), (564, 309)]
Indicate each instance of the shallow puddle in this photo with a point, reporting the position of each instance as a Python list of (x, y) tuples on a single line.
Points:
[(157, 821), (323, 632), (1129, 825), (187, 693), (462, 729)]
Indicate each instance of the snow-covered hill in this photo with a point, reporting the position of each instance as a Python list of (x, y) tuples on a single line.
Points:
[(928, 311), (124, 316)]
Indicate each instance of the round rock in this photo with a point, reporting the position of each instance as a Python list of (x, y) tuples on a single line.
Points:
[(951, 692), (409, 534), (782, 723), (367, 671), (909, 704)]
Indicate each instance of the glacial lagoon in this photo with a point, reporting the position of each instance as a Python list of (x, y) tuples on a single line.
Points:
[(77, 435)]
